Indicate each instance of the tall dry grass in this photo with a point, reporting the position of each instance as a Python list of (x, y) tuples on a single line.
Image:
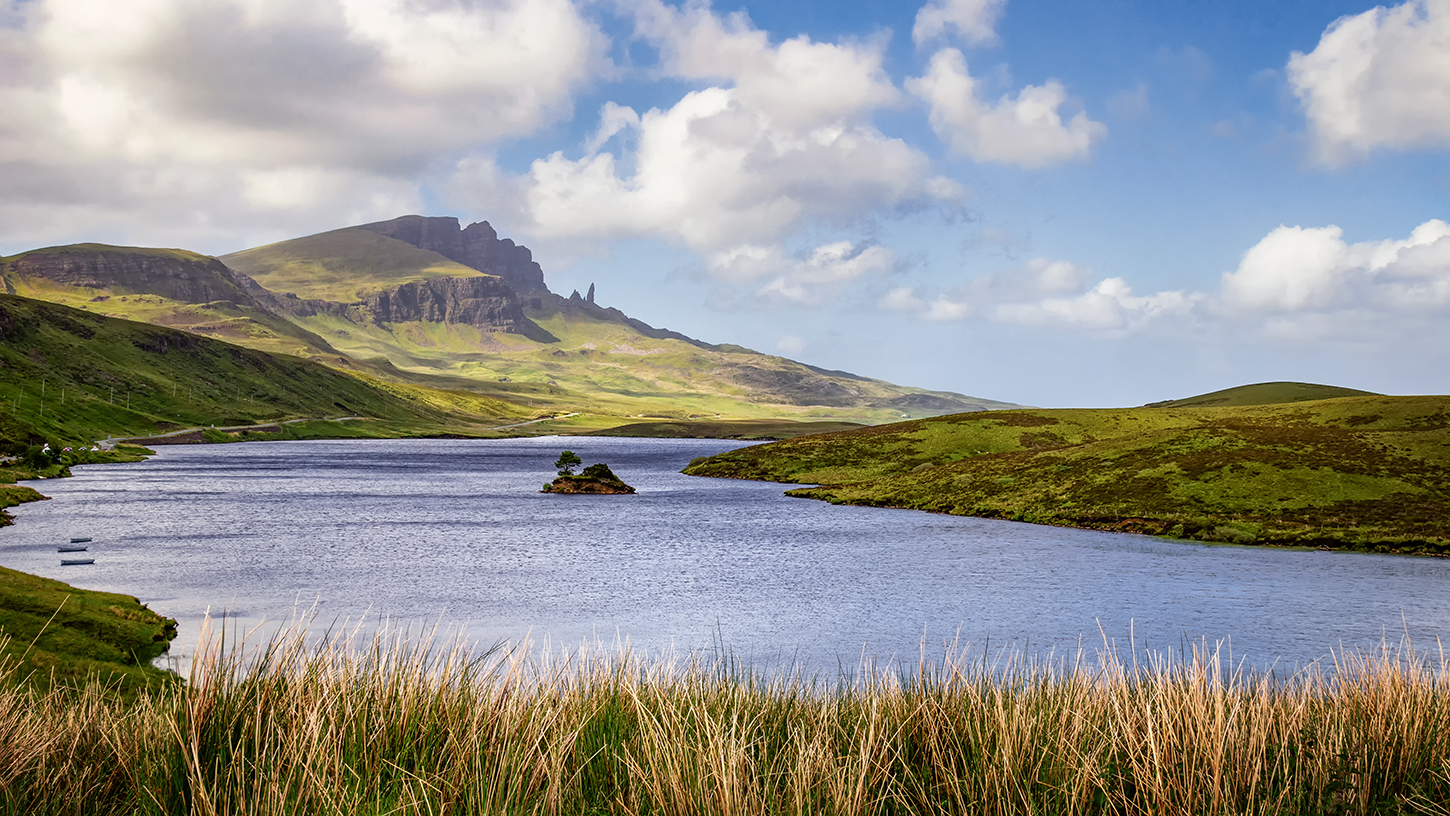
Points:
[(422, 724)]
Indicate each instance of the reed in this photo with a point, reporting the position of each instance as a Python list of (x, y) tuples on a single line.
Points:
[(402, 722)]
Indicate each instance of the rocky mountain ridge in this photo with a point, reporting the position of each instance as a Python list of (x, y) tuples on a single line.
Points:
[(170, 273), (424, 297), (477, 246)]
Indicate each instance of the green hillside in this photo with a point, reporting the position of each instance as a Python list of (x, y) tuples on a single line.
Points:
[(1355, 472), (555, 354), (51, 632), (750, 429), (1271, 393), (164, 287), (337, 265), (70, 376)]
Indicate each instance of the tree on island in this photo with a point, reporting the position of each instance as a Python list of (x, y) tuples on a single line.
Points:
[(567, 462)]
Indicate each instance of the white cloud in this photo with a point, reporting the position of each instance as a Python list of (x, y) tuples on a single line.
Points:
[(1110, 305), (264, 112), (1027, 131), (821, 276), (1296, 269), (902, 299), (974, 21), (1378, 79), (612, 119), (1049, 293), (782, 140), (790, 345)]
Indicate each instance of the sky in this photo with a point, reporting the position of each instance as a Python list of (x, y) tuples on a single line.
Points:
[(1047, 202)]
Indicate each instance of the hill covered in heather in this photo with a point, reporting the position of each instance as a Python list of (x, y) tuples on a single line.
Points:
[(1360, 472)]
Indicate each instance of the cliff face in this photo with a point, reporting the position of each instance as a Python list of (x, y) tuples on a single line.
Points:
[(484, 302), (478, 246), (175, 274)]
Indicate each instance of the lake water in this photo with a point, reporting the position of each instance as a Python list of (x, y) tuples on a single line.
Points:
[(456, 530)]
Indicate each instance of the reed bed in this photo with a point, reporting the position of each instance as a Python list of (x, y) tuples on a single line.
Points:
[(422, 724)]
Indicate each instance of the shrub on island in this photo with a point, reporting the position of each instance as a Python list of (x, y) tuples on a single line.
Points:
[(596, 478)]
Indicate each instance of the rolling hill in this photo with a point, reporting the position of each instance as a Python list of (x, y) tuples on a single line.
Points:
[(1361, 472), (1271, 393), (70, 376)]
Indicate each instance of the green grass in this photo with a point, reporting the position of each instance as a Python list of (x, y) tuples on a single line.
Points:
[(1273, 393), (1367, 473), (404, 725), (750, 429), (342, 264), (52, 634), (67, 376)]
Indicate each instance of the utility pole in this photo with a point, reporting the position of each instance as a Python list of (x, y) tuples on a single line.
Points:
[(128, 400)]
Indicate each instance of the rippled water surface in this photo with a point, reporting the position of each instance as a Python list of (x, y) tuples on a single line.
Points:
[(429, 529)]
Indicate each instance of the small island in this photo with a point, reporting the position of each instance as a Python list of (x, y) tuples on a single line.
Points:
[(596, 479)]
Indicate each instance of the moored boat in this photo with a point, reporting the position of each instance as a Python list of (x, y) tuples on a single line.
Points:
[(72, 549), (72, 562), (80, 541)]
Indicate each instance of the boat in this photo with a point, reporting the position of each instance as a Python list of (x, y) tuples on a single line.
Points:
[(72, 549), (80, 541), (74, 562)]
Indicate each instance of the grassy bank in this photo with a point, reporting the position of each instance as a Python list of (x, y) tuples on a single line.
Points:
[(1367, 473), (409, 726), (52, 634)]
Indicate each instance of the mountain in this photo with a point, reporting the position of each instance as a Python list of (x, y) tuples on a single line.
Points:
[(426, 300), (1360, 472), (1271, 393), (164, 287)]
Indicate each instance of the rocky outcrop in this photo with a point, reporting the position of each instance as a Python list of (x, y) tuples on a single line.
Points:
[(597, 479), (486, 302), (169, 273), (477, 246)]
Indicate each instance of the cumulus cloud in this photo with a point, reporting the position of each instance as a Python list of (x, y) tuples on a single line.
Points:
[(229, 110), (1027, 131), (1049, 293), (940, 308), (781, 138), (1378, 79), (975, 21), (1110, 305), (817, 277), (1297, 269)]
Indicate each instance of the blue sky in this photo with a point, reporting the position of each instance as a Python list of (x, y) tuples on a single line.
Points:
[(1054, 203)]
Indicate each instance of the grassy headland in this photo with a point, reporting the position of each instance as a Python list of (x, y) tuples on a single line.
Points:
[(54, 634), (400, 726), (1367, 472)]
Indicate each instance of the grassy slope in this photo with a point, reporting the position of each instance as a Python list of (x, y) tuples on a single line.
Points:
[(761, 429), (223, 320), (598, 366), (1362, 472), (337, 265), (1271, 393), (54, 632), (175, 379)]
